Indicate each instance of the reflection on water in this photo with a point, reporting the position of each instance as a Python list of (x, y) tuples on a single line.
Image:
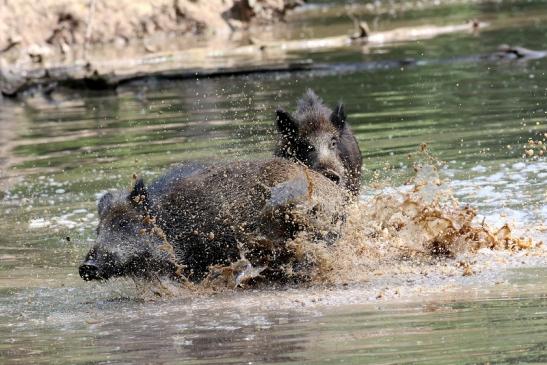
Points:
[(64, 151), (504, 325)]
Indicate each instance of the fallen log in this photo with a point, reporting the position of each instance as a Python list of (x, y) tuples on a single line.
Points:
[(257, 57)]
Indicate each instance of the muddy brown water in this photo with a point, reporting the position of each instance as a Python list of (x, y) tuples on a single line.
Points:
[(63, 152)]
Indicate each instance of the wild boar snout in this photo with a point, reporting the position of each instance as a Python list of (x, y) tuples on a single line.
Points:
[(89, 270)]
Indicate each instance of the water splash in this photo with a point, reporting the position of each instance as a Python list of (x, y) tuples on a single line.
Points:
[(417, 228)]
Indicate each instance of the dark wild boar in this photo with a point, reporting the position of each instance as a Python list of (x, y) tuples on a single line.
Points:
[(195, 217), (321, 139), (128, 241)]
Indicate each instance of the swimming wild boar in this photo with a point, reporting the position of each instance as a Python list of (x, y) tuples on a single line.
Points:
[(195, 217), (321, 139)]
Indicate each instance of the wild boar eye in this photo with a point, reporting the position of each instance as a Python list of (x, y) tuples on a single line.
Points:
[(333, 143), (123, 223), (311, 148)]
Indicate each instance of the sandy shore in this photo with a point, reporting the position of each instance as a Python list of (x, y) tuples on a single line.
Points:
[(53, 30)]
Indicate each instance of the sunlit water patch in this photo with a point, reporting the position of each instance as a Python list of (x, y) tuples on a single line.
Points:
[(509, 193)]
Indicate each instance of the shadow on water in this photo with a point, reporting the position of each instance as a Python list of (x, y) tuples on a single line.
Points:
[(64, 152)]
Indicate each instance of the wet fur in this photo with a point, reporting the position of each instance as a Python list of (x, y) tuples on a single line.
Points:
[(127, 244), (212, 216), (300, 135)]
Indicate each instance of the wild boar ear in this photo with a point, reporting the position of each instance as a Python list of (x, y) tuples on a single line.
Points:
[(139, 195), (286, 125), (104, 203), (338, 116)]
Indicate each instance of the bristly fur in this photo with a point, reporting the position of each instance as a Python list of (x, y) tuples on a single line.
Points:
[(209, 216), (311, 107), (306, 135), (311, 114)]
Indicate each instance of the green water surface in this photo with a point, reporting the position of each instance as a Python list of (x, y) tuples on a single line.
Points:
[(63, 151)]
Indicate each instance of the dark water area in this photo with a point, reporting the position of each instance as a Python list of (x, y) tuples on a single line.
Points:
[(59, 153)]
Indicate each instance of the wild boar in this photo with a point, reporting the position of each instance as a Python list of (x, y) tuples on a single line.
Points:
[(321, 139), (194, 217)]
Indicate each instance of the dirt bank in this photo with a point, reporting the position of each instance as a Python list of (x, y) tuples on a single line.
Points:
[(35, 32), (213, 59)]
